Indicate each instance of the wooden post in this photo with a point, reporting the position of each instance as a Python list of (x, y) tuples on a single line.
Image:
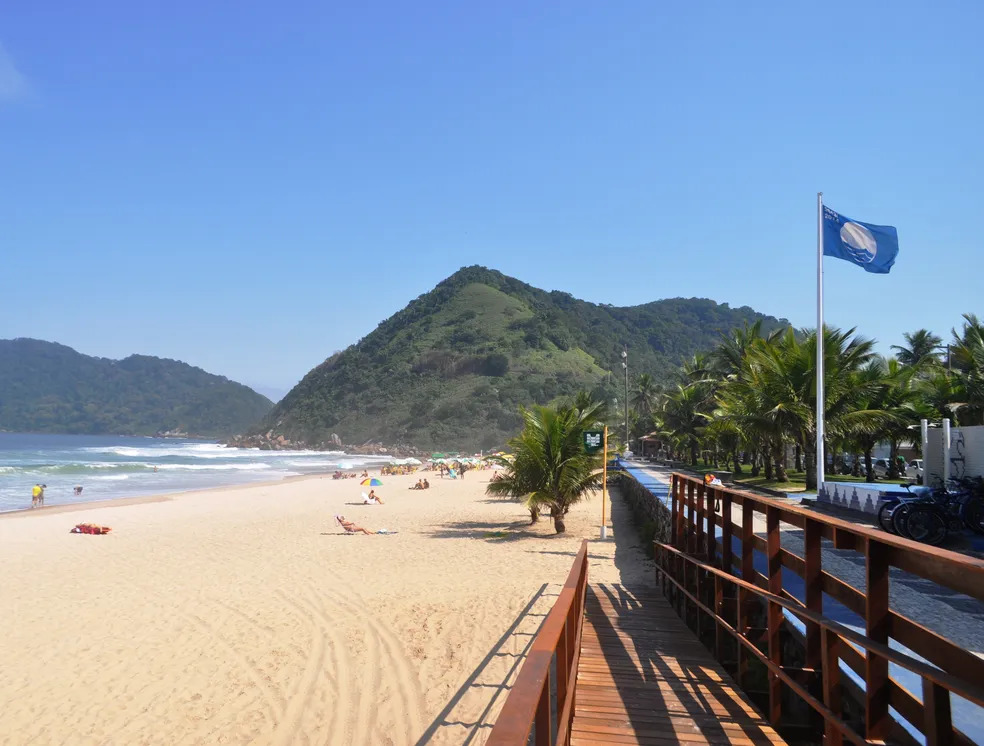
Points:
[(938, 727), (748, 575), (831, 685), (876, 620), (674, 506), (711, 533), (542, 726), (691, 511), (774, 544), (699, 546), (604, 484)]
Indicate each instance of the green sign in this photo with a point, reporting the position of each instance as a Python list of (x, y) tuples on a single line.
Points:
[(593, 441)]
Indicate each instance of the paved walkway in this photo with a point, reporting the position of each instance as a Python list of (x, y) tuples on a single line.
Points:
[(644, 678)]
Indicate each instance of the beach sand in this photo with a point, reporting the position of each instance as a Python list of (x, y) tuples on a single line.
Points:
[(244, 616)]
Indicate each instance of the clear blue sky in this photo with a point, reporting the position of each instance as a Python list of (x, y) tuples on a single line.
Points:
[(250, 186)]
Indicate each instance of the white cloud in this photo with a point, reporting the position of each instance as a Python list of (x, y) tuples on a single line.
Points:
[(13, 84)]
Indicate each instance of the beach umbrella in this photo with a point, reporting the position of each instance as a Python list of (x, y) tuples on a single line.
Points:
[(413, 461), (439, 455), (371, 482)]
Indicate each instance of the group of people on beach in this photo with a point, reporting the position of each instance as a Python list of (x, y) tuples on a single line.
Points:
[(422, 484), (37, 494)]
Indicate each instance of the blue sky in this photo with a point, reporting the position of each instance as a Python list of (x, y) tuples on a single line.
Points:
[(251, 186)]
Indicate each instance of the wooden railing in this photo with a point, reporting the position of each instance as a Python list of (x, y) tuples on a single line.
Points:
[(545, 684), (698, 567)]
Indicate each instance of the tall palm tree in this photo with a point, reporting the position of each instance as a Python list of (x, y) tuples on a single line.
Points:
[(921, 346), (684, 411), (550, 468), (728, 357), (645, 395), (778, 390), (967, 357)]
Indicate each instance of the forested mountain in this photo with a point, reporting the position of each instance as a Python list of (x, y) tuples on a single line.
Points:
[(48, 387), (452, 368)]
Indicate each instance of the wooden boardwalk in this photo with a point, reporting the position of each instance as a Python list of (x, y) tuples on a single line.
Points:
[(644, 678)]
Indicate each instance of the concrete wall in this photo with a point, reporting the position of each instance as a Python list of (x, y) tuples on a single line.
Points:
[(966, 453)]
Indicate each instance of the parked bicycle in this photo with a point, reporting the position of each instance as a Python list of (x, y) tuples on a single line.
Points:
[(929, 515)]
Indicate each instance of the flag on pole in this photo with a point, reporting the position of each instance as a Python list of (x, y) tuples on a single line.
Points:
[(871, 247)]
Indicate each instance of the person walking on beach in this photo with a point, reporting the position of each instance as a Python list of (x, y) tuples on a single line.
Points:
[(37, 496)]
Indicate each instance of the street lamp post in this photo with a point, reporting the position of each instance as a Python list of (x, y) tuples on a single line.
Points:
[(625, 367)]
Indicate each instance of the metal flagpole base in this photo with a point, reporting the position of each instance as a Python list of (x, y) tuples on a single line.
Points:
[(604, 532)]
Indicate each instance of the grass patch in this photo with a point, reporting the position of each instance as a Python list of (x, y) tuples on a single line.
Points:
[(796, 480)]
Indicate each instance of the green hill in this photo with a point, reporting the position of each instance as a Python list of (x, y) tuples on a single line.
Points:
[(452, 368), (48, 387)]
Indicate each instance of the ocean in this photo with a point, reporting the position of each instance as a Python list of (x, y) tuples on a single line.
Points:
[(108, 466)]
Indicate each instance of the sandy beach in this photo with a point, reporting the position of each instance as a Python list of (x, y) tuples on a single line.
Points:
[(244, 616)]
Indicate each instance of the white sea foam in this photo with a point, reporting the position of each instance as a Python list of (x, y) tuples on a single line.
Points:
[(213, 467)]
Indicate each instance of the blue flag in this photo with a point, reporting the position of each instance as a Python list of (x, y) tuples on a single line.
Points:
[(871, 247)]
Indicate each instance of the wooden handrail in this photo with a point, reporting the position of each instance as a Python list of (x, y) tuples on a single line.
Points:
[(966, 690), (696, 562), (529, 702)]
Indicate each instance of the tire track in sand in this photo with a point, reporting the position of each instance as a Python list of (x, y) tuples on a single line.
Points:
[(338, 672), (324, 661), (407, 687), (274, 707)]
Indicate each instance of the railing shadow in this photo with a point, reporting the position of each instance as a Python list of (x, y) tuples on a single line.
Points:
[(522, 639), (653, 693)]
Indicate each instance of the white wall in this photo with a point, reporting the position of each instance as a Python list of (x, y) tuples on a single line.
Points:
[(966, 453)]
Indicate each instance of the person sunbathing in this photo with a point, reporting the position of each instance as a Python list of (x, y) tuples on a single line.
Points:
[(419, 485), (426, 485), (372, 498), (351, 528)]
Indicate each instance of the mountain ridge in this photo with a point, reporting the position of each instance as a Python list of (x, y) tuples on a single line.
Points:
[(50, 387), (453, 366)]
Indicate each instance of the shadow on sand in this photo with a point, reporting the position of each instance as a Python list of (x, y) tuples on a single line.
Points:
[(488, 676)]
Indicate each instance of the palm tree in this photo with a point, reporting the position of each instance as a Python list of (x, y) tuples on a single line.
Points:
[(683, 413), (921, 346), (967, 357), (550, 468), (776, 392), (646, 393)]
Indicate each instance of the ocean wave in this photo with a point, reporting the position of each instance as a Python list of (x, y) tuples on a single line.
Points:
[(213, 467), (111, 478)]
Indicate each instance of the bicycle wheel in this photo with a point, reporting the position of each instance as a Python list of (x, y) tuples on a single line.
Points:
[(925, 523), (973, 515), (899, 518), (885, 516)]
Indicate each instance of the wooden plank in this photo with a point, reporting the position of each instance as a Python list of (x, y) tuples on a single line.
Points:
[(643, 678)]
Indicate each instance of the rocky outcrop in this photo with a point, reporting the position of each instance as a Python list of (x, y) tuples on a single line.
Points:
[(270, 441)]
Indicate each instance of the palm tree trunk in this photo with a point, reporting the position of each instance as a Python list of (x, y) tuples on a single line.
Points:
[(779, 454), (693, 451), (737, 470), (869, 472), (893, 460), (755, 464), (558, 519), (811, 467), (767, 463), (856, 468), (799, 458)]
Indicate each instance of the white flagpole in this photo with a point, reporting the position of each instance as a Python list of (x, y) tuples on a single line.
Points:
[(820, 380)]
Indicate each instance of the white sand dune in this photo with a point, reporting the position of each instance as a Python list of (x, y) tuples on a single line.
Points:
[(244, 616)]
